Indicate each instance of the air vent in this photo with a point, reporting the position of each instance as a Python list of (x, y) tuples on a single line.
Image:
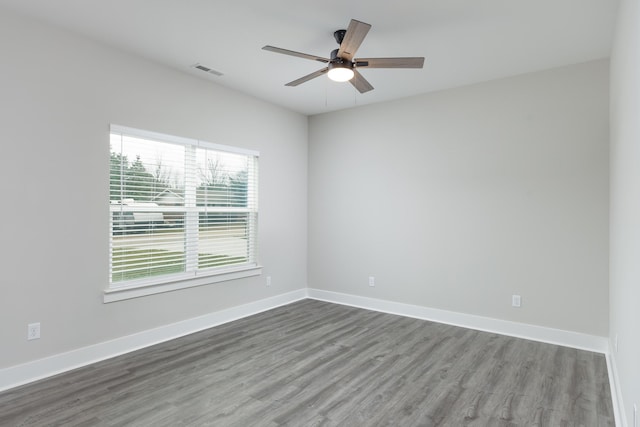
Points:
[(206, 69)]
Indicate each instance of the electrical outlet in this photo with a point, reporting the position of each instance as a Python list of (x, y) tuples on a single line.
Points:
[(516, 300), (268, 280), (372, 281), (33, 331)]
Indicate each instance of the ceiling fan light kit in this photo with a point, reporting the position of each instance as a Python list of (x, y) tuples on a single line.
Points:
[(341, 66), (340, 72)]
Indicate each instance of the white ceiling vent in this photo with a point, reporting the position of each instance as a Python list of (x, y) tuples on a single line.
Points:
[(207, 69)]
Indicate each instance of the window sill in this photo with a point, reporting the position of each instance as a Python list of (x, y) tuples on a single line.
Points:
[(119, 294)]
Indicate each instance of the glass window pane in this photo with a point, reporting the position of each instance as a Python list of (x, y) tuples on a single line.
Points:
[(142, 248), (146, 171), (222, 179), (222, 239)]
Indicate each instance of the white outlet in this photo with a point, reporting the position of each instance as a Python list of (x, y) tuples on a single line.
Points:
[(268, 280), (372, 281), (33, 331), (516, 300)]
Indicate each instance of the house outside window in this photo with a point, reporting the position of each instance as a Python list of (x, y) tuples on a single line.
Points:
[(183, 213)]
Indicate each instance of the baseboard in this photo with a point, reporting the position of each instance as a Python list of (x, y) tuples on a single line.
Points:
[(616, 392), (38, 369), (520, 330)]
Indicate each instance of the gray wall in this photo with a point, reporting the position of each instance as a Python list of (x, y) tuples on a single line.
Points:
[(456, 200), (58, 95), (625, 205)]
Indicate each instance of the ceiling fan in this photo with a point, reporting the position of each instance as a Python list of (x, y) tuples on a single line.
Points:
[(342, 66)]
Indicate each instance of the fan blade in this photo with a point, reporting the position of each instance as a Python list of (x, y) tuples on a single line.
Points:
[(308, 77), (293, 53), (406, 62), (354, 36), (360, 82)]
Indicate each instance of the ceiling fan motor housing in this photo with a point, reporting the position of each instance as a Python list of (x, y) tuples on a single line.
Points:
[(335, 59), (341, 64)]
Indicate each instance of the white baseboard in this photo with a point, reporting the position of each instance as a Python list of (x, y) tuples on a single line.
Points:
[(616, 392), (38, 369), (503, 327)]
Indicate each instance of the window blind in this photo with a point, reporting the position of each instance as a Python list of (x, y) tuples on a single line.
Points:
[(179, 208)]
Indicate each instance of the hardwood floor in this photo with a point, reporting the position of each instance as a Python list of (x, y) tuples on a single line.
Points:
[(313, 363)]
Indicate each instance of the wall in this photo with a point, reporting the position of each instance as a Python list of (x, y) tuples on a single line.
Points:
[(456, 200), (625, 205), (59, 93)]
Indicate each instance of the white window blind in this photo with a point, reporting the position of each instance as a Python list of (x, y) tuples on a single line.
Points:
[(179, 208)]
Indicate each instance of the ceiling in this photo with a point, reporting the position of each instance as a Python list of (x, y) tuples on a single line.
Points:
[(463, 41)]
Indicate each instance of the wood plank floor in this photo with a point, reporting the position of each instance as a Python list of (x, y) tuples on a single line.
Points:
[(313, 363)]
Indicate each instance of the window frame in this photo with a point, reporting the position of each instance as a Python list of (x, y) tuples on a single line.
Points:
[(192, 277)]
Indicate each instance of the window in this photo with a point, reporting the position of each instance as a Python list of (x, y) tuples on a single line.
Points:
[(182, 213)]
